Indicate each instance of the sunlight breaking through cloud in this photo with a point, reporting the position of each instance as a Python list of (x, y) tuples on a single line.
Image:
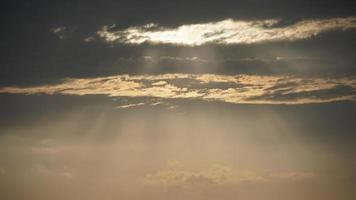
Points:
[(227, 31), (225, 88)]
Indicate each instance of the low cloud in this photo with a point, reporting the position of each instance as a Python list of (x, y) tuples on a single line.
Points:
[(228, 31), (214, 174), (232, 89), (183, 175)]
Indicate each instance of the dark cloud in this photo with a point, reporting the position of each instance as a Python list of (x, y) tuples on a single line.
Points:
[(32, 54)]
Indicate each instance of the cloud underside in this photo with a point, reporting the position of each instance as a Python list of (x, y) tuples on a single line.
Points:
[(232, 89), (225, 32)]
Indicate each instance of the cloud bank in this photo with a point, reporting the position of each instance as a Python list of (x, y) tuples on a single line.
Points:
[(226, 88), (227, 31)]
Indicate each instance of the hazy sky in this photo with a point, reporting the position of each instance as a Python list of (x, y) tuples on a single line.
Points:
[(173, 100)]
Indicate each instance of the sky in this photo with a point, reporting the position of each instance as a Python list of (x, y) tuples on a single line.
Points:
[(172, 100)]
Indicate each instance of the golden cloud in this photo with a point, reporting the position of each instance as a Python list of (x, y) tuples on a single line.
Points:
[(228, 31), (226, 88)]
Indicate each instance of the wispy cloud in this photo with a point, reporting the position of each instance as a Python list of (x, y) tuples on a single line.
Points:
[(228, 31), (60, 31), (225, 88), (131, 105), (216, 174)]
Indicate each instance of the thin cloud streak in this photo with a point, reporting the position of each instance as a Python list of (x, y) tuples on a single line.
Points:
[(225, 88), (131, 105), (227, 31)]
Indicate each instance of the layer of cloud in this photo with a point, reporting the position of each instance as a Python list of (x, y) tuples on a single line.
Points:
[(182, 175), (228, 31), (225, 88)]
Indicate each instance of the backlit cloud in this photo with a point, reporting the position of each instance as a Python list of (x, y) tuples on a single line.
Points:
[(225, 88), (228, 31)]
